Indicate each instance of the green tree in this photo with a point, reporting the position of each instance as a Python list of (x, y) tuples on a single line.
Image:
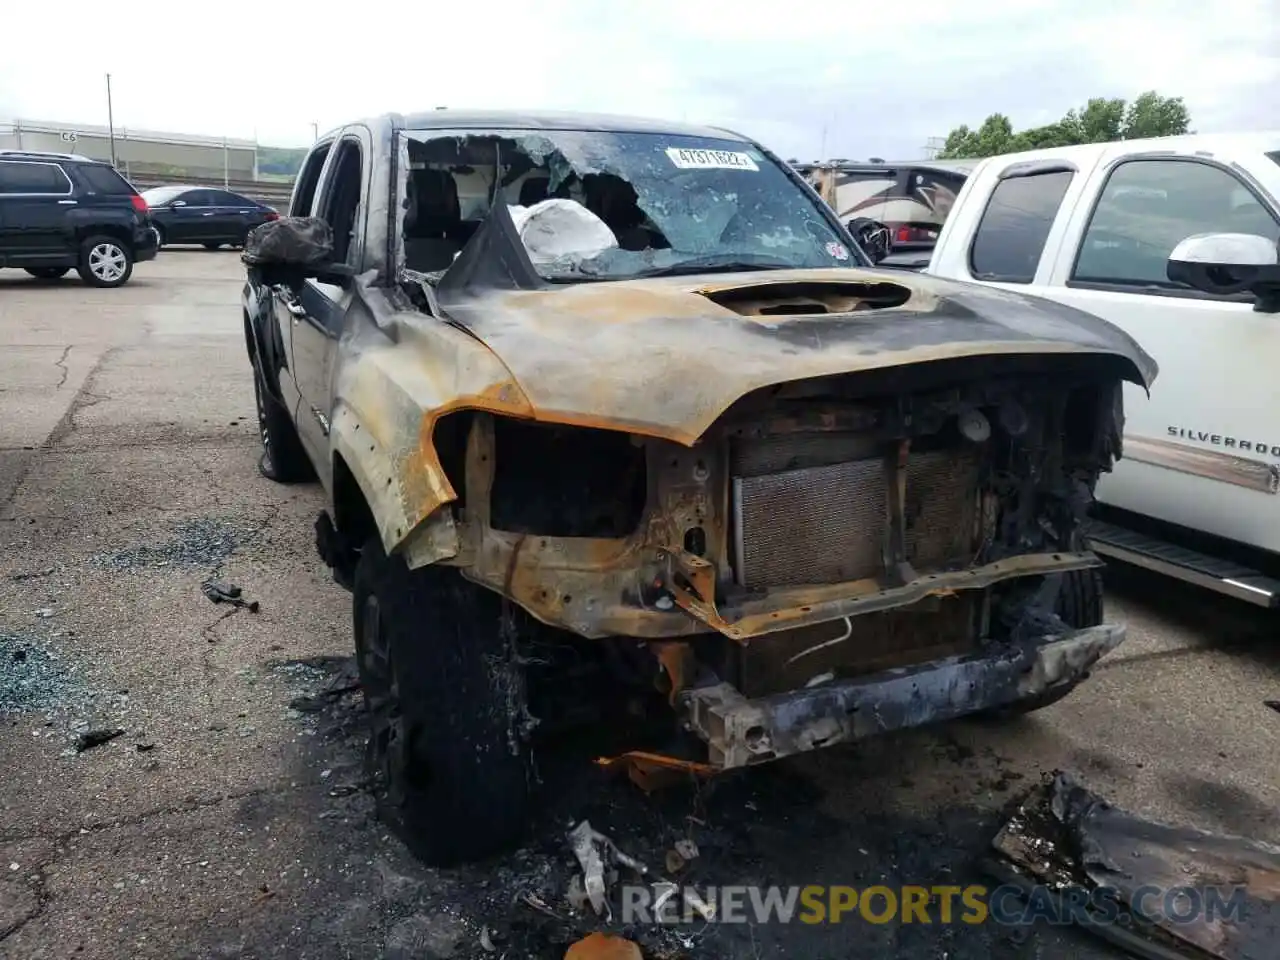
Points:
[(280, 160), (989, 139), (1152, 115), (1101, 120)]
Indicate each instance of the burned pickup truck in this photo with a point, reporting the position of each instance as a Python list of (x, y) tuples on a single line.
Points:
[(587, 392)]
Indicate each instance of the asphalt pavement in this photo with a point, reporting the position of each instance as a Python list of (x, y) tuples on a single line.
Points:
[(227, 815)]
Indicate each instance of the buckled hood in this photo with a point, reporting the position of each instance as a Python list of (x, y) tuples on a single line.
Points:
[(666, 356)]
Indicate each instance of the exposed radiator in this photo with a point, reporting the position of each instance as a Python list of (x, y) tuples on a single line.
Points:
[(942, 508), (815, 522), (789, 659)]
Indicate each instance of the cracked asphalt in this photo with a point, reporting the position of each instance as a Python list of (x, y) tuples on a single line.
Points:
[(226, 823)]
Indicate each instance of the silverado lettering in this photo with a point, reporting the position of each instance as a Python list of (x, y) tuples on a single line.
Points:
[(1220, 440)]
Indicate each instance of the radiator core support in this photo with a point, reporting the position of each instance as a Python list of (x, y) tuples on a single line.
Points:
[(800, 520)]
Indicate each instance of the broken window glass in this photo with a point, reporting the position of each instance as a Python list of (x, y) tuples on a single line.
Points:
[(601, 205)]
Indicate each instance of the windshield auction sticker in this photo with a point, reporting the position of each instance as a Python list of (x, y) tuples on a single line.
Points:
[(687, 159)]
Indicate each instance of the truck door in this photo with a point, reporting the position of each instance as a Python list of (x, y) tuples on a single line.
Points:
[(1203, 450), (283, 304), (316, 313)]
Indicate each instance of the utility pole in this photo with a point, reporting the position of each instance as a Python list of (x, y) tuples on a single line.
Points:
[(111, 122), (225, 179), (933, 147), (315, 131)]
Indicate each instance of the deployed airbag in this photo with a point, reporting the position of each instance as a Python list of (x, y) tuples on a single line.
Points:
[(554, 229)]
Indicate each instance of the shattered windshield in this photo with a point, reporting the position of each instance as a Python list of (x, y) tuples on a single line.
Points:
[(607, 206)]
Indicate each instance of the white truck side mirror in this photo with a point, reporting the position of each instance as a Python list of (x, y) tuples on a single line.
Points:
[(1229, 263)]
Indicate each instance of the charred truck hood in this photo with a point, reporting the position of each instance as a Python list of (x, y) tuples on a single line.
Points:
[(666, 356)]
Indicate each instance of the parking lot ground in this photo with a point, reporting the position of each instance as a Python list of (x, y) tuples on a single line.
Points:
[(225, 823)]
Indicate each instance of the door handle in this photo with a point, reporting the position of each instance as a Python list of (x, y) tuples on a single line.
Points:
[(67, 203), (209, 214)]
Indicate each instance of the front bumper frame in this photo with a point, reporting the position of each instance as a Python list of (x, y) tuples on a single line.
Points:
[(740, 732)]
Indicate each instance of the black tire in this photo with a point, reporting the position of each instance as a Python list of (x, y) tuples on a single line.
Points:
[(445, 702), (47, 273), (212, 246), (283, 459), (1080, 600), (1079, 606), (161, 239), (105, 261)]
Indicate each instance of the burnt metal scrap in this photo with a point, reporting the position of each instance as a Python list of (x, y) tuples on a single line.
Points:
[(599, 857), (96, 738), (219, 592), (1180, 891)]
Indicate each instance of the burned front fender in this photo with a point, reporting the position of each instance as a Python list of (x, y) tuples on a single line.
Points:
[(388, 402)]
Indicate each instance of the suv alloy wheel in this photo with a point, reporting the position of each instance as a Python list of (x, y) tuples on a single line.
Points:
[(105, 262)]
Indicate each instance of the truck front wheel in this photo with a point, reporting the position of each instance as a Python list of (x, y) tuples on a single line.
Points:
[(1080, 600), (445, 699)]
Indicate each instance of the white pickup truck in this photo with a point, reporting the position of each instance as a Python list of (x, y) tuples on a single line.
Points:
[(1105, 227)]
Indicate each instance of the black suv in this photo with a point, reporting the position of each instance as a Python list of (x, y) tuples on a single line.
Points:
[(59, 211)]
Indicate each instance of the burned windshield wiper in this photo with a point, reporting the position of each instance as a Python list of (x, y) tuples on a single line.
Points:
[(723, 263)]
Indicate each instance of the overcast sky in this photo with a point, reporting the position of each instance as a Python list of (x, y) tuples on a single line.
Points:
[(844, 79)]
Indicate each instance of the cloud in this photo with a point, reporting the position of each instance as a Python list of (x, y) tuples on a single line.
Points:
[(844, 80)]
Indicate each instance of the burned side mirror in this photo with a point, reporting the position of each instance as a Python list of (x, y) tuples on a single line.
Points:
[(872, 237), (1226, 264), (291, 249)]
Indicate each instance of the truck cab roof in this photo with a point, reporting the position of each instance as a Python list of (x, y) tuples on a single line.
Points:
[(1203, 144), (448, 119)]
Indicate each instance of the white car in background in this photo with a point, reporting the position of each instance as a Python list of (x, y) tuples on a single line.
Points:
[(910, 199)]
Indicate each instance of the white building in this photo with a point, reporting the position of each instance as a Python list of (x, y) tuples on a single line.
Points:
[(139, 152)]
